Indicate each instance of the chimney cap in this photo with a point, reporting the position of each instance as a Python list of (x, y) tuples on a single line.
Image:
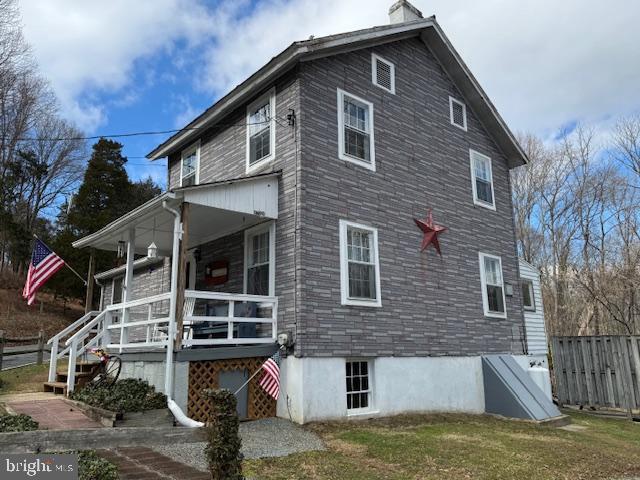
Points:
[(403, 11)]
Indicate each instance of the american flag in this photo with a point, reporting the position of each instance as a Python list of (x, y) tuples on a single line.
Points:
[(44, 263), (270, 381)]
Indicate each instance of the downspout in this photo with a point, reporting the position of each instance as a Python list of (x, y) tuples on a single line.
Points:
[(168, 377)]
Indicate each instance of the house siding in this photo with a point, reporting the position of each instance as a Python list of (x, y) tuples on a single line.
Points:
[(223, 157), (534, 320), (431, 305), (231, 249)]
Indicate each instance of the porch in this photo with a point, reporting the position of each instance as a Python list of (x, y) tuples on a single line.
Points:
[(203, 299)]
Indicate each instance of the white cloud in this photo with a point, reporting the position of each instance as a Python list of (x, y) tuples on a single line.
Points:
[(84, 47), (543, 63)]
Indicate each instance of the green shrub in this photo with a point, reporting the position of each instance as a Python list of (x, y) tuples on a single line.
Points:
[(223, 448), (128, 395), (17, 423), (93, 467)]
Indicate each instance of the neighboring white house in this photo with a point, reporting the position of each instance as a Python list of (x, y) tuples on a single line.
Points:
[(536, 334)]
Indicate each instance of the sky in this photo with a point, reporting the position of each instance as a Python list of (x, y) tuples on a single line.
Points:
[(148, 65)]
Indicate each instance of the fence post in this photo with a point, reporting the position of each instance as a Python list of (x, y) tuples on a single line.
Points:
[(1, 347), (40, 357)]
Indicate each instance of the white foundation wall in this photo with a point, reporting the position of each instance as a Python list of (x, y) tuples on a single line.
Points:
[(154, 373), (315, 388)]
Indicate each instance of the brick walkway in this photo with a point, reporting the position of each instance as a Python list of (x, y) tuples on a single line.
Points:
[(141, 463), (54, 414)]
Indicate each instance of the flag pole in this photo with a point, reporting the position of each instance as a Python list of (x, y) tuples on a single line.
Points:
[(65, 263), (247, 382)]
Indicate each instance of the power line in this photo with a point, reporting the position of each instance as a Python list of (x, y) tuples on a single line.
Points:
[(147, 133)]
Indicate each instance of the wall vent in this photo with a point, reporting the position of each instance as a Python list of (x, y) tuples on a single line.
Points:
[(383, 73)]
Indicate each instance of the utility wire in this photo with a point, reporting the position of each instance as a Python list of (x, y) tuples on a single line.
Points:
[(140, 134)]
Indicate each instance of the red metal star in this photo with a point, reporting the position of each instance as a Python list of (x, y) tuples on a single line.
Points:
[(431, 232)]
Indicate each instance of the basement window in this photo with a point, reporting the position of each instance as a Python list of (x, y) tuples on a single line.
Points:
[(358, 377), (383, 73), (492, 285), (458, 113)]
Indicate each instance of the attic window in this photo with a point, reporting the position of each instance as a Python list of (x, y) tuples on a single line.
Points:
[(383, 73), (458, 112)]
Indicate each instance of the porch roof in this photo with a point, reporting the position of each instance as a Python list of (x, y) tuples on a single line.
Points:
[(217, 209)]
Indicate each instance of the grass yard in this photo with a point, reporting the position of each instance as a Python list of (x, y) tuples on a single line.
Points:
[(24, 379), (462, 447)]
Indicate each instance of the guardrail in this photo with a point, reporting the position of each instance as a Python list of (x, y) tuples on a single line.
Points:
[(29, 348)]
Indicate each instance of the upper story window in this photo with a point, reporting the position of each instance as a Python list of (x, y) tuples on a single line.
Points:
[(528, 297), (492, 285), (261, 131), (259, 258), (482, 180), (355, 130), (383, 73), (190, 166), (359, 265), (458, 113)]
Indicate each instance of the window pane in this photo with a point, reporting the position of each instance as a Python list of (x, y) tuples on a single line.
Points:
[(260, 145), (492, 273), (258, 280), (363, 368), (494, 299), (362, 281), (259, 119), (356, 115), (483, 191), (356, 143), (259, 249), (188, 181), (527, 294), (364, 400)]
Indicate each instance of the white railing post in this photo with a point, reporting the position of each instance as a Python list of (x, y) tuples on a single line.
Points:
[(231, 314), (106, 333), (53, 359), (71, 372), (274, 317)]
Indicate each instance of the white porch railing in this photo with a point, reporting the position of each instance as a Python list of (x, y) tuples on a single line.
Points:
[(210, 319), (229, 319)]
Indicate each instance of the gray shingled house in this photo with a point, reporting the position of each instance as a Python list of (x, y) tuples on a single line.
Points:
[(289, 216)]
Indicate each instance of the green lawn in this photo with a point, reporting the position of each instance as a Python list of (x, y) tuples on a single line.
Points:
[(24, 379), (462, 447)]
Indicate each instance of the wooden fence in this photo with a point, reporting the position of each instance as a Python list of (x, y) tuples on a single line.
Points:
[(598, 371), (31, 345)]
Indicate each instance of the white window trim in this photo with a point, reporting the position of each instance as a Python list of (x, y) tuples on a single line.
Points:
[(371, 408), (249, 232), (483, 282), (190, 149), (271, 95), (341, 153), (374, 73), (476, 201), (344, 267), (530, 308), (464, 113)]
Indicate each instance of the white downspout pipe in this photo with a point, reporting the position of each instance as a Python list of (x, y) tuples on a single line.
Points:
[(168, 378)]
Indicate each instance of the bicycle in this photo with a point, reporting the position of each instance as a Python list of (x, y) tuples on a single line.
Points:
[(109, 368)]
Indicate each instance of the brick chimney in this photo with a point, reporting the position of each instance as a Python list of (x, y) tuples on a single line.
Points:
[(403, 11)]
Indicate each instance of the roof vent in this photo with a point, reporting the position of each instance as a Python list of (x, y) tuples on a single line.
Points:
[(403, 11)]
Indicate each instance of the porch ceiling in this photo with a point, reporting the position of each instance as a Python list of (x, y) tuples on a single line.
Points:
[(216, 210)]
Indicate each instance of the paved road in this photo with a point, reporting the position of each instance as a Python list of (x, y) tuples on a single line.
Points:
[(12, 361)]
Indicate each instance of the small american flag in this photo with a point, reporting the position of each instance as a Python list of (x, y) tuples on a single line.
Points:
[(270, 381), (44, 263)]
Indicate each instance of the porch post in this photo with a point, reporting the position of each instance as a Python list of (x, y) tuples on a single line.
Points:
[(182, 280), (177, 234), (128, 284), (88, 302)]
